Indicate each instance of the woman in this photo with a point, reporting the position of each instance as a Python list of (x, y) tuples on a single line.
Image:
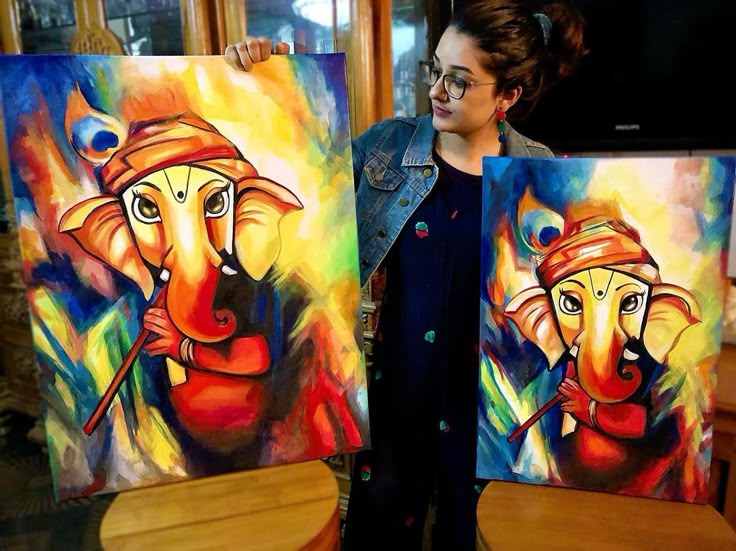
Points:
[(419, 210)]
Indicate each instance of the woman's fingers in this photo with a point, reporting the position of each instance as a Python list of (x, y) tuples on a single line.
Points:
[(232, 57), (245, 60), (265, 48), (252, 50)]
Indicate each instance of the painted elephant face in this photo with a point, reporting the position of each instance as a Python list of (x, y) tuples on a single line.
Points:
[(182, 220), (596, 315), (599, 312), (181, 215)]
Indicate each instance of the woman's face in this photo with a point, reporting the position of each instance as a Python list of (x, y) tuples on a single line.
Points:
[(458, 56)]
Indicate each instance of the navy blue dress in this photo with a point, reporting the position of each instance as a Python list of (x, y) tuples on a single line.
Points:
[(423, 391)]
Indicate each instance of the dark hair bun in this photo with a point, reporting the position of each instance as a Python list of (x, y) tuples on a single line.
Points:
[(512, 40), (565, 45)]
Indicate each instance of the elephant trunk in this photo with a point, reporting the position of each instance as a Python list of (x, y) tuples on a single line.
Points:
[(190, 302), (606, 371)]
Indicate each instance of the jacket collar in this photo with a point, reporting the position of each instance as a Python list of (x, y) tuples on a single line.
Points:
[(515, 144), (419, 152)]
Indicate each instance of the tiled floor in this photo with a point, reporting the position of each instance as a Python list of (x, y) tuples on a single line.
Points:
[(30, 518)]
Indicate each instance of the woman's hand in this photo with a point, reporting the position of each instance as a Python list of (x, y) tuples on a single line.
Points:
[(252, 50)]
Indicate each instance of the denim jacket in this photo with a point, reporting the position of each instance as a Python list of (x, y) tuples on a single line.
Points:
[(394, 171)]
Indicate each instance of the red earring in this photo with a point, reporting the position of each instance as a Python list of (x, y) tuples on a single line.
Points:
[(501, 124)]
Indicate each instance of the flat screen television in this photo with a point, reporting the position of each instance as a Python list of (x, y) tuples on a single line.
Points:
[(659, 76)]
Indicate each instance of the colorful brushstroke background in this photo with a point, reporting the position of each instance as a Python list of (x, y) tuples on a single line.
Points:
[(682, 210), (289, 118)]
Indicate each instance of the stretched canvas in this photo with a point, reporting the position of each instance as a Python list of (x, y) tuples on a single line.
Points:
[(190, 252), (602, 297)]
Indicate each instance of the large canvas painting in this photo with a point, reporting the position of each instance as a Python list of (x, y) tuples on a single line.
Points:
[(602, 301), (190, 251)]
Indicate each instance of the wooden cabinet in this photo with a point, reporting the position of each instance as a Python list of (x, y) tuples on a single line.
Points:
[(132, 27), (43, 26), (723, 466), (147, 27)]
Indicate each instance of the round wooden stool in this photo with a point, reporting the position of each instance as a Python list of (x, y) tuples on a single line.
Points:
[(523, 516), (285, 507)]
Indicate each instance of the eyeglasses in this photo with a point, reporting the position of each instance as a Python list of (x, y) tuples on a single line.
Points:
[(454, 86)]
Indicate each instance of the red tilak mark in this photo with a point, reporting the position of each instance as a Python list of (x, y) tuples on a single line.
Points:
[(453, 215)]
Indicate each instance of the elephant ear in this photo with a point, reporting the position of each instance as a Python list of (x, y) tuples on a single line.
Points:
[(672, 309), (260, 208), (532, 314), (100, 227)]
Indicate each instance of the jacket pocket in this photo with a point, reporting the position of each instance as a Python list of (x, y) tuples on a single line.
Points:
[(380, 175)]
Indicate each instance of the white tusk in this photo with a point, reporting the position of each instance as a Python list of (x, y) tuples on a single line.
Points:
[(227, 270), (165, 275), (574, 350), (629, 355)]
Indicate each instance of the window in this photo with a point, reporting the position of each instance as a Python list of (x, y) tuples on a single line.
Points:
[(147, 27), (47, 26)]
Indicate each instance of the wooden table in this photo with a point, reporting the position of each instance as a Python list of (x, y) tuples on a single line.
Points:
[(527, 517), (285, 507), (723, 466), (726, 388)]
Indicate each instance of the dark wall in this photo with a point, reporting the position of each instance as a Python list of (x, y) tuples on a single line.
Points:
[(657, 77)]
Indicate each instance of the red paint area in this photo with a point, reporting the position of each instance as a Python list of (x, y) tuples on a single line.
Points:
[(614, 456), (222, 412), (217, 407), (622, 420), (599, 452), (190, 306), (606, 384), (246, 356), (321, 420)]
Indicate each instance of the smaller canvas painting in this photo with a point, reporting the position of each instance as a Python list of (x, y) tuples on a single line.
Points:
[(601, 308)]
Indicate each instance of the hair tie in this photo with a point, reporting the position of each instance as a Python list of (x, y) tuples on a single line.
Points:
[(546, 25)]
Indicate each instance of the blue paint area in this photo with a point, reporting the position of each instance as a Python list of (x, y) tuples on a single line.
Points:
[(43, 84), (92, 133), (81, 302), (331, 68), (104, 140), (504, 182), (548, 235)]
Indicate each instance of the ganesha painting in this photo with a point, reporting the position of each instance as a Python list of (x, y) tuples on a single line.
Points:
[(190, 254), (602, 302)]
